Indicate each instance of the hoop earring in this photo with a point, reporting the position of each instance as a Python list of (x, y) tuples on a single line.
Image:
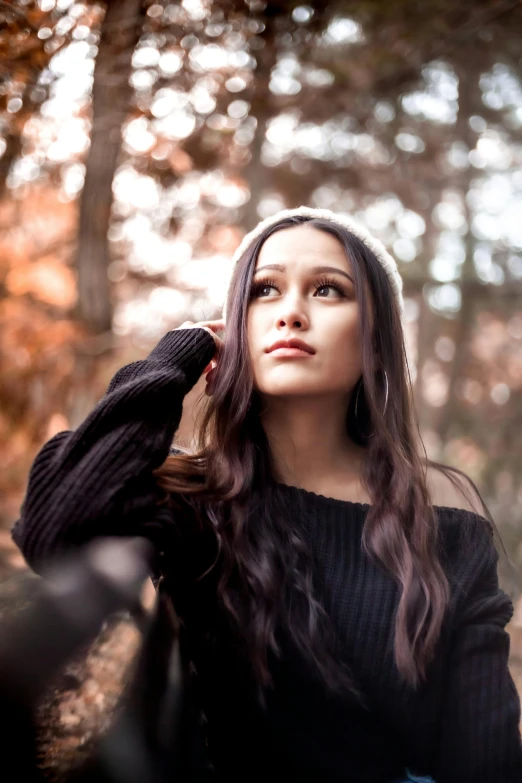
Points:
[(385, 398)]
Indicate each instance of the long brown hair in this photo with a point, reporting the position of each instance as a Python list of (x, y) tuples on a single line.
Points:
[(231, 469)]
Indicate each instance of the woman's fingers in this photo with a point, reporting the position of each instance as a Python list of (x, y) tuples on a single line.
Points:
[(212, 327), (218, 324)]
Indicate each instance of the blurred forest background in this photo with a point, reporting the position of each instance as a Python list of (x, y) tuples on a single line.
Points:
[(139, 140)]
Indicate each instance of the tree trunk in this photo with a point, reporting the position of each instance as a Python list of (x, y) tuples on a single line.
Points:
[(256, 173), (110, 104), (13, 141), (468, 99)]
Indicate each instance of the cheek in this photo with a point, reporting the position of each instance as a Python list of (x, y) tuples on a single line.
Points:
[(345, 349), (352, 339), (344, 330), (255, 332)]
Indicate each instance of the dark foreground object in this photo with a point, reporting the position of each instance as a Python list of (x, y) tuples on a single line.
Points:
[(148, 740)]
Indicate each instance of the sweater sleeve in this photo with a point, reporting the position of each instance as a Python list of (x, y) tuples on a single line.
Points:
[(480, 738), (81, 480)]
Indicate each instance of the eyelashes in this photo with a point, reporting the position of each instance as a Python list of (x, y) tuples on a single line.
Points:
[(324, 283)]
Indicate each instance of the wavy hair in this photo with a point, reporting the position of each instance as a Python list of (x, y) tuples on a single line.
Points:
[(265, 567)]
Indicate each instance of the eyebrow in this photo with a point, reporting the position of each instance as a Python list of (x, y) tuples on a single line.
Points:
[(314, 270)]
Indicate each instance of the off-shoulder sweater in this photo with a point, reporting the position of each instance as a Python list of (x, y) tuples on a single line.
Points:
[(461, 725)]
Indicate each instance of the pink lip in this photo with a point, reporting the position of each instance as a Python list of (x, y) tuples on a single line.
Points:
[(292, 343), (290, 352)]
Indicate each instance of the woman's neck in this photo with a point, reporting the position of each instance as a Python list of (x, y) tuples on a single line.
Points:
[(311, 449)]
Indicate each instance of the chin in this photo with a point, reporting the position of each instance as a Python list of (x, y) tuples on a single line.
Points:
[(294, 389)]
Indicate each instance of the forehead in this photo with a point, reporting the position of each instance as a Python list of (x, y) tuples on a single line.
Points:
[(309, 243)]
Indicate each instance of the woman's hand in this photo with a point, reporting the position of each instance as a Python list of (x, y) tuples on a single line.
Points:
[(212, 327)]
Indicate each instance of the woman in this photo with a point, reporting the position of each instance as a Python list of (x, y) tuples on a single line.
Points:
[(339, 589)]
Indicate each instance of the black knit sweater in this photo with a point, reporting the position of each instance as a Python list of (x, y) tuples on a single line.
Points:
[(461, 725)]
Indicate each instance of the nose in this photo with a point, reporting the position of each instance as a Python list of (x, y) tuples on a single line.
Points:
[(293, 321), (292, 314)]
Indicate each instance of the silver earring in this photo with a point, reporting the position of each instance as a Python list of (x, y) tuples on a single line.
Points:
[(385, 398)]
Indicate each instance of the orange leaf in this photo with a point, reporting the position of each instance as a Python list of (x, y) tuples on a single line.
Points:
[(47, 279)]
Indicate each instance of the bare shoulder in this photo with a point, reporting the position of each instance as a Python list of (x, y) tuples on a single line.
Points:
[(443, 492)]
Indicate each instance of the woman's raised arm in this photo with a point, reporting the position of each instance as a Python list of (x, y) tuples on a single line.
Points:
[(80, 479)]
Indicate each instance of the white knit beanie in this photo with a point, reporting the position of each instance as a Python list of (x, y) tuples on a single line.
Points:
[(357, 229)]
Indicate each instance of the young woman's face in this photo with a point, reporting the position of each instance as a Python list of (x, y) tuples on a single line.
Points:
[(293, 301)]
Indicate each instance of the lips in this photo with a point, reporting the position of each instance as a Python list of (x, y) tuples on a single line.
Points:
[(292, 343)]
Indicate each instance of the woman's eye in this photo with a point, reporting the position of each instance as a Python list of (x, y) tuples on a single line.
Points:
[(321, 288), (259, 288), (339, 291), (264, 288)]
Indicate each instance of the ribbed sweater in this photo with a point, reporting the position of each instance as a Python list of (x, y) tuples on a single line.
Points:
[(461, 725)]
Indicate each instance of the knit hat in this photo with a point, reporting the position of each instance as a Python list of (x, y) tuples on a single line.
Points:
[(357, 229)]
